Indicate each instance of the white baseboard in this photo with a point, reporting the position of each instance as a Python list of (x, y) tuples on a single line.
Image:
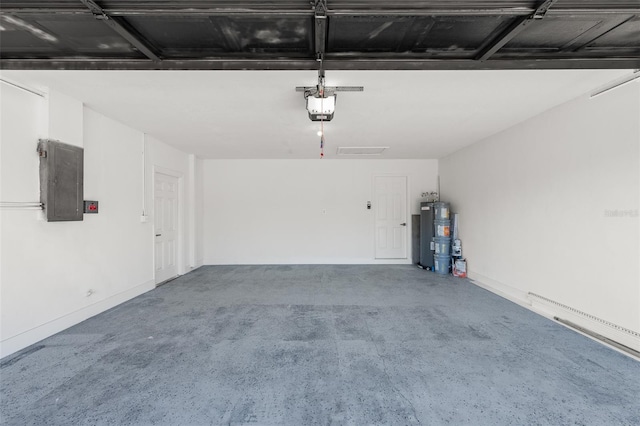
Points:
[(29, 337), (551, 310), (314, 261), (510, 293)]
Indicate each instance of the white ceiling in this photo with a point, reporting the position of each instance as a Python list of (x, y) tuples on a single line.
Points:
[(257, 114)]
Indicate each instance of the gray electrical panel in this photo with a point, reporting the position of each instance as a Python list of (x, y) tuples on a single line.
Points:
[(61, 180), (426, 235)]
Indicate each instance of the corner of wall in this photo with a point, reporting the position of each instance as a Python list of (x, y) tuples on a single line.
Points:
[(545, 187)]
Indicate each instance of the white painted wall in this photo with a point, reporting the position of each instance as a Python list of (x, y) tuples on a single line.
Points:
[(199, 213), (270, 211), (48, 268), (534, 202), (64, 118)]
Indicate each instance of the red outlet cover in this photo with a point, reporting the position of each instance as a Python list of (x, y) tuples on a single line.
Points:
[(90, 206)]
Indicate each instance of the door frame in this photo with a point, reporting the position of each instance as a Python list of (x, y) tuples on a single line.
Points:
[(407, 212), (180, 261)]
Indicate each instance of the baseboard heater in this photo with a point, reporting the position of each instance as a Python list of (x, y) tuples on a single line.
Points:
[(591, 333), (599, 337)]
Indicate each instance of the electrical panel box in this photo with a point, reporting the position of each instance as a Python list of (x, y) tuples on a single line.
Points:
[(61, 180)]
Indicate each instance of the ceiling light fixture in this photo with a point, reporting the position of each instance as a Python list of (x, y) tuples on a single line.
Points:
[(618, 83), (321, 109), (321, 99)]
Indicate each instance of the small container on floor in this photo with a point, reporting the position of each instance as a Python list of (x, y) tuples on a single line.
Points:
[(441, 264), (460, 268)]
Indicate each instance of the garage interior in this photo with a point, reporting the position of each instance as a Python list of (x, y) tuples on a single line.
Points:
[(233, 264)]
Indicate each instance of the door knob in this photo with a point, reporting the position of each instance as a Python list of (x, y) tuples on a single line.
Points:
[(403, 224), (157, 235)]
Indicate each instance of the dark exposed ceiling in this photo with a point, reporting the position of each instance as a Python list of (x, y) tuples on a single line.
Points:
[(296, 34)]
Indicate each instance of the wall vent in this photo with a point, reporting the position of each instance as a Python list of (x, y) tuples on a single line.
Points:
[(361, 150), (613, 334)]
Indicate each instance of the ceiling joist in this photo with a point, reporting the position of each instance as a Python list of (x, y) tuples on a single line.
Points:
[(514, 30), (120, 28), (377, 8), (328, 64)]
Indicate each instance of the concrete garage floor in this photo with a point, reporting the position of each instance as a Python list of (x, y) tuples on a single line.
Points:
[(306, 345)]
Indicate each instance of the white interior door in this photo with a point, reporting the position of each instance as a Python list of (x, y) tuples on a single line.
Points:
[(166, 226), (391, 217)]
